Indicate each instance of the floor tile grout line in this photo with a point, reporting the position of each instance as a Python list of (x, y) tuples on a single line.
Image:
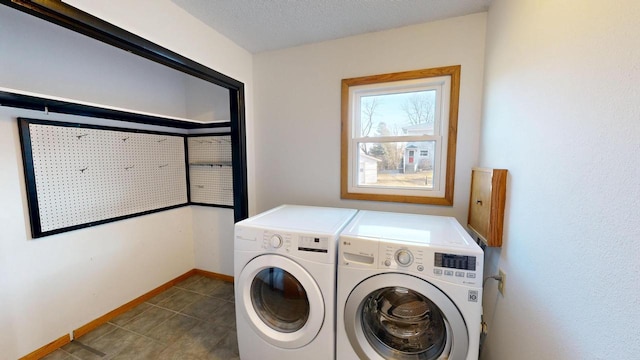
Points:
[(70, 354), (172, 310), (179, 312), (109, 356), (167, 309), (175, 312), (118, 327), (151, 305), (179, 285), (228, 300), (146, 336), (159, 304), (90, 349), (130, 320), (99, 337), (168, 344), (161, 323), (140, 334)]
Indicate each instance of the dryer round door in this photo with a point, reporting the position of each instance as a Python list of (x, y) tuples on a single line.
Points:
[(281, 301), (400, 316)]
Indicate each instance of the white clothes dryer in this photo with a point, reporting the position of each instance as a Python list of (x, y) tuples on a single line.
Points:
[(409, 287), (285, 281)]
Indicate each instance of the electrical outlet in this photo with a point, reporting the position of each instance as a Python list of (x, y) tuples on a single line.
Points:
[(503, 277)]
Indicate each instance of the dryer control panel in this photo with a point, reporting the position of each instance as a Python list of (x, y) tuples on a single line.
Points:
[(320, 247), (287, 241), (273, 241), (308, 246)]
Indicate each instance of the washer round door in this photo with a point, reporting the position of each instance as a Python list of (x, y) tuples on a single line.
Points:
[(400, 316), (281, 301)]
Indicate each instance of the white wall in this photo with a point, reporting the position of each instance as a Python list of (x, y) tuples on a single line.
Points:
[(53, 285), (298, 110), (168, 25), (562, 113), (70, 65), (206, 101)]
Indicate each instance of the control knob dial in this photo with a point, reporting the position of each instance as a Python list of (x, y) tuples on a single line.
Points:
[(275, 241), (404, 257)]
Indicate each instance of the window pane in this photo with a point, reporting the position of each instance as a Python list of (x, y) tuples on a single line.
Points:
[(396, 164), (397, 114)]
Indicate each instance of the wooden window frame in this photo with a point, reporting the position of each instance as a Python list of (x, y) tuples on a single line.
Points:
[(346, 134)]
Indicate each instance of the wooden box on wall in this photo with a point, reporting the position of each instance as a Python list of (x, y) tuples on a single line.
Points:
[(486, 204)]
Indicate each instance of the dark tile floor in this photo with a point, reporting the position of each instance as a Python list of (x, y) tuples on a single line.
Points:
[(194, 319)]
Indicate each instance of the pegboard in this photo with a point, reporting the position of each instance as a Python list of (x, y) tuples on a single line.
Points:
[(210, 170), (80, 175)]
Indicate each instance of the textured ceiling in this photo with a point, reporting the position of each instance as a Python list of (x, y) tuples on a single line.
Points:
[(263, 25)]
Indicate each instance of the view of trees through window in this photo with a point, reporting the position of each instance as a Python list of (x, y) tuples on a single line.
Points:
[(393, 158)]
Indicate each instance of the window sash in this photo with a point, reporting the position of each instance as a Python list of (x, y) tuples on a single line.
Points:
[(437, 188), (440, 85), (444, 134)]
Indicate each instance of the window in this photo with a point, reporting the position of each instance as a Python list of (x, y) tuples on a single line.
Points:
[(399, 136)]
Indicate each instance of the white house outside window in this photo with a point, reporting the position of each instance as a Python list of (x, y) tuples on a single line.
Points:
[(398, 136)]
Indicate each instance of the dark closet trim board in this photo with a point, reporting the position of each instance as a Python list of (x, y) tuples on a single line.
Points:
[(74, 19), (239, 154), (186, 168), (32, 102)]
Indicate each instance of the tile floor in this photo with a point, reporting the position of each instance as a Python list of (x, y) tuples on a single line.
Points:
[(195, 319)]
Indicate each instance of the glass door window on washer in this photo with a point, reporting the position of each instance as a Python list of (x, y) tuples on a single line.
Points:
[(399, 320), (401, 317)]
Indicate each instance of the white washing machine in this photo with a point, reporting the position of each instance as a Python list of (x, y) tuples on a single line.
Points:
[(409, 287), (285, 281)]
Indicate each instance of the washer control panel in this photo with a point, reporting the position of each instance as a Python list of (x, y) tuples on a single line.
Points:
[(424, 261), (454, 268), (402, 257)]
